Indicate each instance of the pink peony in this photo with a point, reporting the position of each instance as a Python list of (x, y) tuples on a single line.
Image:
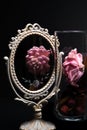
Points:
[(73, 67), (37, 60)]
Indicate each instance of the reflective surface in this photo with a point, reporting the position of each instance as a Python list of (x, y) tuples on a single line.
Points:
[(71, 101), (30, 59)]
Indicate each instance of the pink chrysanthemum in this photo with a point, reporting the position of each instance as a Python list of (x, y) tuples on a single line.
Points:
[(37, 60)]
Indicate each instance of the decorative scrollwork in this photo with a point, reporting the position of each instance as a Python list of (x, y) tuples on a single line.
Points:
[(30, 28), (36, 97)]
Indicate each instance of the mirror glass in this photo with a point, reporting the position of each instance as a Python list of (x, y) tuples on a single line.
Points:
[(34, 62)]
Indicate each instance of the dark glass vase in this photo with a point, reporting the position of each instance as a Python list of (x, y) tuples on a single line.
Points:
[(71, 100)]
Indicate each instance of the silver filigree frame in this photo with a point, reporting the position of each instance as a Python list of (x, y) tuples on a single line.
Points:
[(38, 97), (29, 30)]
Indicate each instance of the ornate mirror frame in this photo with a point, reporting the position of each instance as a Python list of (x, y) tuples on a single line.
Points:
[(36, 97)]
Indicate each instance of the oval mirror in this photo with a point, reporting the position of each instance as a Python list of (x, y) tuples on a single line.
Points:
[(32, 61), (34, 70)]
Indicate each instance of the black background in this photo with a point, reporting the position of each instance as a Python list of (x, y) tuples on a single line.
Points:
[(51, 14)]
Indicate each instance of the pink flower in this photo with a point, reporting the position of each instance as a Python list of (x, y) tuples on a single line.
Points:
[(73, 67), (37, 60)]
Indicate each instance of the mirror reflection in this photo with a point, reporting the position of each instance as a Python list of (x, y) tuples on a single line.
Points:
[(34, 62)]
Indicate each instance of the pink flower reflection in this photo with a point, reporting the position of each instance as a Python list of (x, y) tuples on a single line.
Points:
[(37, 60)]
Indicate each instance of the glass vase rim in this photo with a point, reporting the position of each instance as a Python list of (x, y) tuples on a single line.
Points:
[(70, 31)]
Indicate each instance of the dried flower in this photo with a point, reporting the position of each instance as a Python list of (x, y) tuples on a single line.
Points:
[(73, 68), (64, 109), (37, 60)]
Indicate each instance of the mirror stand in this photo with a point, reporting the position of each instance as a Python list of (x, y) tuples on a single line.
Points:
[(37, 123)]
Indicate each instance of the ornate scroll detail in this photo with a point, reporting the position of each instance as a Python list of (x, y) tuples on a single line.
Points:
[(29, 29), (36, 97)]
